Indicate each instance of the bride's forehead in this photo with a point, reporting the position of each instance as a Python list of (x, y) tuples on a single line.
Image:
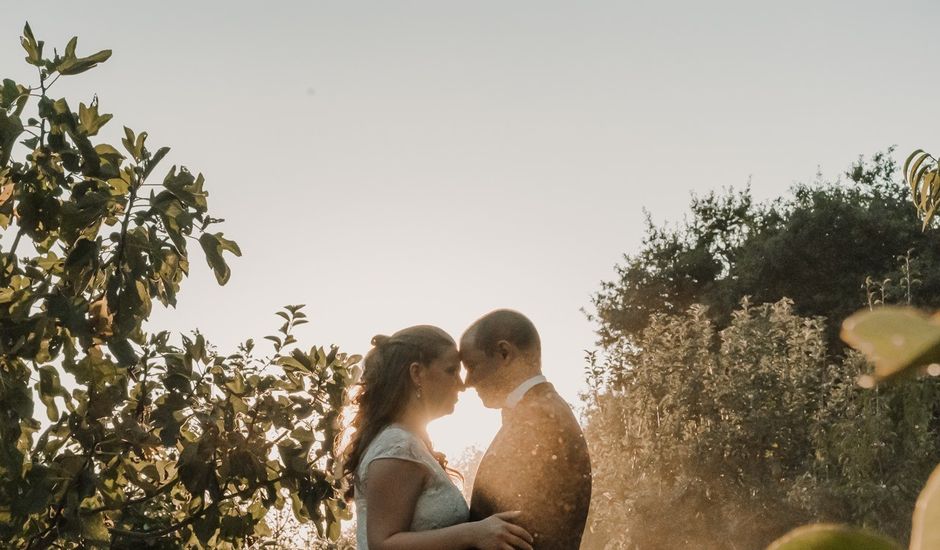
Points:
[(449, 355)]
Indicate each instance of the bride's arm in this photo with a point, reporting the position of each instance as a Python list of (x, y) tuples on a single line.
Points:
[(391, 495)]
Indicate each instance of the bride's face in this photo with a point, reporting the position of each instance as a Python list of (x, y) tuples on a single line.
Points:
[(441, 383)]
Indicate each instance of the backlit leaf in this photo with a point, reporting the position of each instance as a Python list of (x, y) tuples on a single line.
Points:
[(895, 339), (832, 537), (925, 532)]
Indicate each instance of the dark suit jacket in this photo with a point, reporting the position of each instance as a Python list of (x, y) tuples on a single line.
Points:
[(539, 464)]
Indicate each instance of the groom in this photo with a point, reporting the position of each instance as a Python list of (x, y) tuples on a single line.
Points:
[(538, 463)]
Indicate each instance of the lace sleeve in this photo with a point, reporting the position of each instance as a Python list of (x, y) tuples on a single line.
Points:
[(394, 443)]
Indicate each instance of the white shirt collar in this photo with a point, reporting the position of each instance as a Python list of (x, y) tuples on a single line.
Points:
[(515, 396)]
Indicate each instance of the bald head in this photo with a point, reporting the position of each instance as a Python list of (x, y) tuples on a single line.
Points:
[(503, 325)]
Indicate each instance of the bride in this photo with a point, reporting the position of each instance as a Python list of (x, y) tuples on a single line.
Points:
[(404, 492)]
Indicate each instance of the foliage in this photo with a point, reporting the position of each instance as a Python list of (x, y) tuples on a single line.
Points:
[(831, 247), (921, 173), (701, 435), (832, 537), (900, 342), (286, 533), (159, 441)]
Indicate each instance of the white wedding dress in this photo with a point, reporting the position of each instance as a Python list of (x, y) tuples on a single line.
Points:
[(440, 504)]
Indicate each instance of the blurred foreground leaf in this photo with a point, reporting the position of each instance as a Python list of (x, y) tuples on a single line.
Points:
[(895, 339), (925, 534), (832, 537)]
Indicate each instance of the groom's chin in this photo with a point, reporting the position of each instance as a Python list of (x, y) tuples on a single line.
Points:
[(489, 403)]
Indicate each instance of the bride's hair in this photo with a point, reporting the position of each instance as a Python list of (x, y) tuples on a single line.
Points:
[(385, 386)]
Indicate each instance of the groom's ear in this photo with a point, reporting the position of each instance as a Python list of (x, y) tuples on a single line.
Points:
[(505, 350)]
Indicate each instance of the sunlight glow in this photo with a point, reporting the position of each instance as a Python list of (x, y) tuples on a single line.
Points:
[(471, 425)]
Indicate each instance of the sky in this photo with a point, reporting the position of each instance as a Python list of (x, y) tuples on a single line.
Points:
[(423, 162)]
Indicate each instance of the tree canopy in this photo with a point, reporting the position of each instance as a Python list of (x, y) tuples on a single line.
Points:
[(830, 246), (150, 438)]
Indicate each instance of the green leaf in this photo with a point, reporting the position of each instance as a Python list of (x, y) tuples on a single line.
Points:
[(90, 121), (18, 397), (50, 388), (10, 128), (128, 141), (123, 351), (176, 219), (334, 531), (895, 339), (81, 263), (206, 526), (925, 532), (213, 245), (186, 188), (32, 46), (70, 47), (79, 65), (103, 149), (832, 537), (9, 93), (194, 469), (155, 160)]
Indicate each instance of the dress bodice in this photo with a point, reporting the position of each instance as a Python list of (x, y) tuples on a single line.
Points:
[(440, 503)]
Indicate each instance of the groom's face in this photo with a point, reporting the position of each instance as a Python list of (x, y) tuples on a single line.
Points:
[(482, 374)]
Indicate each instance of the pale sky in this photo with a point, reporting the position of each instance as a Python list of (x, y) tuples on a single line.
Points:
[(396, 163)]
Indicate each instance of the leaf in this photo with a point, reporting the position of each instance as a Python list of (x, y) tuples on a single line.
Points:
[(128, 141), (32, 46), (194, 469), (90, 121), (81, 263), (139, 145), (922, 175), (822, 536), (10, 128), (895, 339), (70, 47), (9, 93), (79, 65), (206, 526), (123, 351), (913, 177), (155, 160), (186, 188), (6, 191), (103, 149), (50, 388), (925, 531), (213, 245), (176, 219), (334, 531)]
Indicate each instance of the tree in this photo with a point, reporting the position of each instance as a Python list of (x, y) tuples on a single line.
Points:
[(728, 438), (901, 342), (831, 247), (744, 421), (163, 441)]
